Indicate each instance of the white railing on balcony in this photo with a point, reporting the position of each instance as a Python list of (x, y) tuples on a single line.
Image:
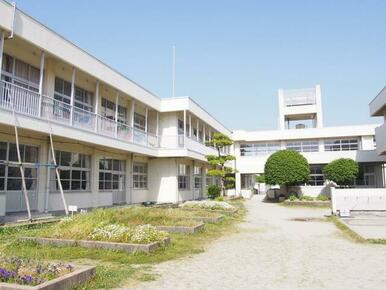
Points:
[(179, 141), (17, 98), (299, 97), (21, 100)]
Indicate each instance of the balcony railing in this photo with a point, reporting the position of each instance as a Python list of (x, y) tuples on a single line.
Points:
[(27, 102), (179, 141)]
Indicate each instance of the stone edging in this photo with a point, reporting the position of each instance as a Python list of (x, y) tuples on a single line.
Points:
[(227, 212), (130, 248), (213, 220), (181, 229), (64, 282), (308, 203)]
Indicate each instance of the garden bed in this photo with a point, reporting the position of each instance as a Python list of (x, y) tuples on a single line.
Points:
[(209, 205), (16, 273), (181, 229), (130, 248)]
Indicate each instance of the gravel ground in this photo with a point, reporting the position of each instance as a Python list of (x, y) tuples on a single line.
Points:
[(273, 252)]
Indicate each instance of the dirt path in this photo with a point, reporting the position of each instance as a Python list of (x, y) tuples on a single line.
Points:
[(273, 252)]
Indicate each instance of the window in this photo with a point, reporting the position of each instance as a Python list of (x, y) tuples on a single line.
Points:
[(303, 146), (247, 181), (316, 175), (10, 177), (112, 174), (369, 175), (82, 98), (140, 175), (197, 177), (108, 111), (20, 73), (139, 122), (183, 177), (341, 144), (74, 169), (254, 149)]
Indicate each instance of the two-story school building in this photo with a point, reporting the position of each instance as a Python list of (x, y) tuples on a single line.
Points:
[(115, 142), (300, 128)]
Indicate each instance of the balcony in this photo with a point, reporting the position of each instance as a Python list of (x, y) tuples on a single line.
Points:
[(181, 142), (27, 102)]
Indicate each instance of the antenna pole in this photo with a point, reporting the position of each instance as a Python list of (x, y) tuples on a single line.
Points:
[(174, 72)]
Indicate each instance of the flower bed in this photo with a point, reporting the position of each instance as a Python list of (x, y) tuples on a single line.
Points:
[(304, 200), (208, 204), (29, 272), (16, 273), (181, 229)]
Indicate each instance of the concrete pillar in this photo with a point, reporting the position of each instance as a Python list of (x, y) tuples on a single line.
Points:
[(146, 118), (238, 183), (198, 129), (184, 127), (116, 114), (1, 49), (41, 79), (129, 179), (281, 109), (190, 125), (72, 95), (319, 113), (96, 106), (94, 178), (43, 176)]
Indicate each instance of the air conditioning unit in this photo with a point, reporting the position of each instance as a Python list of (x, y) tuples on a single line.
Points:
[(300, 126)]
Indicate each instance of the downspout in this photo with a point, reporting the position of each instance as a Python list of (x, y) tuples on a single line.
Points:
[(13, 20)]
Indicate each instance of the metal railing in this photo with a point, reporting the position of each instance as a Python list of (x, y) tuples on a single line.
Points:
[(19, 99), (24, 101)]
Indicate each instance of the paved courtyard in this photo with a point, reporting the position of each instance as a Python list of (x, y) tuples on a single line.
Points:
[(272, 251), (368, 225)]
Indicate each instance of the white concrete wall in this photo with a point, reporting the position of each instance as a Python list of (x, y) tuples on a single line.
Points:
[(163, 181), (358, 199)]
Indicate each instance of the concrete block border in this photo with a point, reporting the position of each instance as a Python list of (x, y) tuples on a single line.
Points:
[(68, 281), (130, 248), (308, 203), (214, 220), (227, 212), (181, 229)]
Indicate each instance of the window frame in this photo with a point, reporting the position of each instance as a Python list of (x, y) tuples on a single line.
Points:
[(339, 144), (140, 178), (84, 172), (183, 177), (113, 172)]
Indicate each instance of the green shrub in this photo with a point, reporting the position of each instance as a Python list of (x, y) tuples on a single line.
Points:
[(286, 167), (214, 191), (260, 178), (292, 198), (342, 171), (306, 198), (219, 198), (322, 197)]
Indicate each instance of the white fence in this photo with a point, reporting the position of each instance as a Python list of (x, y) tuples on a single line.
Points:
[(358, 199)]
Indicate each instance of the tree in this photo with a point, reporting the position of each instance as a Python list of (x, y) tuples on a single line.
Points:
[(286, 167), (342, 171), (260, 178), (218, 162)]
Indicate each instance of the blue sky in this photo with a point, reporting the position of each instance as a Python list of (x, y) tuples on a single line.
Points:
[(232, 56)]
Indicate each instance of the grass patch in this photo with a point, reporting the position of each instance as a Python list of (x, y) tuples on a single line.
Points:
[(117, 268), (303, 204), (346, 231)]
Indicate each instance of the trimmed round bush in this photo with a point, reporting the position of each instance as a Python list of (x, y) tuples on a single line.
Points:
[(286, 167), (342, 171), (214, 191)]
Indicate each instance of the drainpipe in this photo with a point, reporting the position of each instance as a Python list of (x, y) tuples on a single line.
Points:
[(13, 20)]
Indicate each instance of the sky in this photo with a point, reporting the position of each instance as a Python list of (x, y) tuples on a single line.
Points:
[(233, 56)]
